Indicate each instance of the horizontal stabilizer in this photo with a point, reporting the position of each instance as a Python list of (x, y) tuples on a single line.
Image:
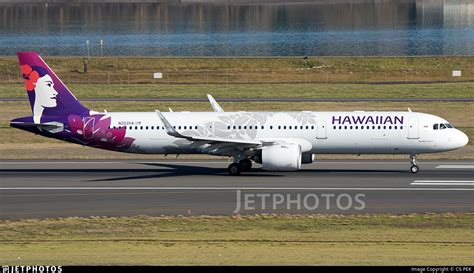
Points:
[(52, 127)]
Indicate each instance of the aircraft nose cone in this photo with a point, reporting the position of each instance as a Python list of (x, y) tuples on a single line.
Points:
[(462, 139)]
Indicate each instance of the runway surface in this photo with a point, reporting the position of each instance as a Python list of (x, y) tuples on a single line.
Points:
[(272, 99), (39, 189)]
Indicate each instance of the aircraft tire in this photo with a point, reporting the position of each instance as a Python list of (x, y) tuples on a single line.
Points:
[(414, 168), (234, 169)]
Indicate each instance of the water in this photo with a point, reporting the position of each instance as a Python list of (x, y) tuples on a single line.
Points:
[(358, 27)]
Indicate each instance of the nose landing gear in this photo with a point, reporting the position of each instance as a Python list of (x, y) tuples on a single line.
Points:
[(413, 168)]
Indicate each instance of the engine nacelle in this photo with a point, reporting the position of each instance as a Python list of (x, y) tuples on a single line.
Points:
[(282, 157)]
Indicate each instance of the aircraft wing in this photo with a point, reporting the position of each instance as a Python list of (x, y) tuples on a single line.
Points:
[(211, 140), (215, 106)]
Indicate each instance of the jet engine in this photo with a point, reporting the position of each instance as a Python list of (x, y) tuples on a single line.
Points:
[(282, 157)]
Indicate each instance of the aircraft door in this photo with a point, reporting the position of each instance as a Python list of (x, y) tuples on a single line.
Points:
[(321, 130), (413, 128)]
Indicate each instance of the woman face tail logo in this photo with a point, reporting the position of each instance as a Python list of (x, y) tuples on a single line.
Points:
[(48, 95), (39, 83)]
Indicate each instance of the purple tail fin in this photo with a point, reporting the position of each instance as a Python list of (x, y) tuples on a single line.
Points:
[(48, 95)]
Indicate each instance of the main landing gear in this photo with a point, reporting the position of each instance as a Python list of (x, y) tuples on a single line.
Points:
[(242, 166), (414, 168)]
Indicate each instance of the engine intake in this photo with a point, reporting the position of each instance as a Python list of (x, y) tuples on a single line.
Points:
[(282, 157)]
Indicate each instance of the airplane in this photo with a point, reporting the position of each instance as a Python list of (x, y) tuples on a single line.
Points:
[(280, 141)]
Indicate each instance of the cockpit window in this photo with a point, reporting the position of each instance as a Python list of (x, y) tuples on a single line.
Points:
[(442, 126)]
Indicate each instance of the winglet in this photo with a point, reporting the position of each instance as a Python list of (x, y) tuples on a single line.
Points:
[(215, 106), (409, 110), (169, 128)]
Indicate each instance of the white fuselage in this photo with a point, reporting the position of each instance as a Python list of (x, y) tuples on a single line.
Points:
[(317, 132)]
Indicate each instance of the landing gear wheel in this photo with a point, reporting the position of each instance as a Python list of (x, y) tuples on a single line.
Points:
[(245, 165), (414, 168), (234, 169)]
